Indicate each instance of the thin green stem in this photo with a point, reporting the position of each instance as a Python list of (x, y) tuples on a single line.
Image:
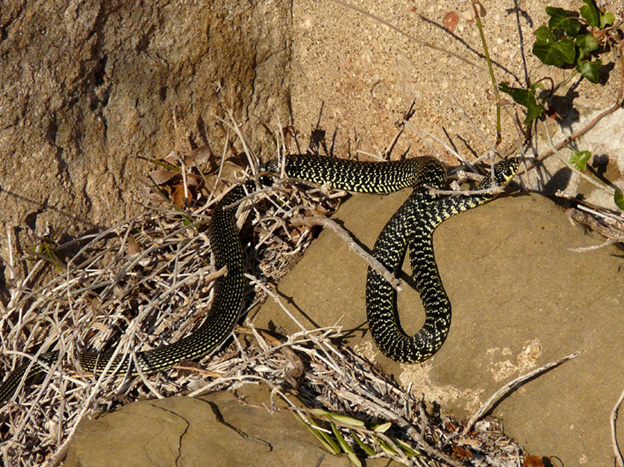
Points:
[(490, 68)]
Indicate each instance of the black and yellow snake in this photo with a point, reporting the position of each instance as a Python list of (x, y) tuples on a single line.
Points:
[(412, 225)]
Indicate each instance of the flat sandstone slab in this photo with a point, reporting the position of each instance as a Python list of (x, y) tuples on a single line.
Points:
[(521, 298), (216, 430)]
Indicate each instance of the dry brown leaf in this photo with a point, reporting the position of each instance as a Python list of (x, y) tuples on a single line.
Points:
[(178, 195), (133, 247), (231, 171), (450, 21), (461, 452), (482, 10), (162, 176), (201, 155), (289, 132), (197, 156), (193, 180), (171, 159)]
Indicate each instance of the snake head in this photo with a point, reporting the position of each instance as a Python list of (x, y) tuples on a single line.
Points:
[(504, 171)]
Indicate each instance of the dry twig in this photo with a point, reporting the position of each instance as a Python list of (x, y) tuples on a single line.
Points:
[(512, 385), (614, 441), (352, 244)]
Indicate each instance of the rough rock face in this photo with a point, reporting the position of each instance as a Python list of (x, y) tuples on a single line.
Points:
[(90, 87)]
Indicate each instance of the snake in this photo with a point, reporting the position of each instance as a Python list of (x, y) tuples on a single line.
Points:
[(411, 227)]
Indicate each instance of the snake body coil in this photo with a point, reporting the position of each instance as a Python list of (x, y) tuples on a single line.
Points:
[(412, 225)]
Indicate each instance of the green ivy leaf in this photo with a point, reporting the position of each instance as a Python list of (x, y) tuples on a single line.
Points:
[(544, 34), (561, 19), (618, 198), (579, 159), (551, 51), (590, 70), (590, 14), (606, 20), (587, 43), (526, 98)]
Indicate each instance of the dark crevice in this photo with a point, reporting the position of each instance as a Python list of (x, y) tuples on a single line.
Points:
[(219, 416), (181, 438)]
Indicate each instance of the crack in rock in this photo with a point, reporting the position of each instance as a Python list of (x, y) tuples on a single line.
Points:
[(219, 416), (180, 439)]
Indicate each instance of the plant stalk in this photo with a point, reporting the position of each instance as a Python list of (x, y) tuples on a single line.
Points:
[(476, 3)]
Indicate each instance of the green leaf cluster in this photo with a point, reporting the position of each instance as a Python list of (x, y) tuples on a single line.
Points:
[(568, 39), (363, 433)]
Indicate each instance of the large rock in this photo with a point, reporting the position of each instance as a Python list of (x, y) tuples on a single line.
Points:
[(88, 88), (521, 298)]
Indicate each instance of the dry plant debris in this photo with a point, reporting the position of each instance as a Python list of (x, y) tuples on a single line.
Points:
[(141, 284)]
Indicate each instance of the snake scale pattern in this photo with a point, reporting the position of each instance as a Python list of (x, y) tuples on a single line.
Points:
[(411, 228)]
